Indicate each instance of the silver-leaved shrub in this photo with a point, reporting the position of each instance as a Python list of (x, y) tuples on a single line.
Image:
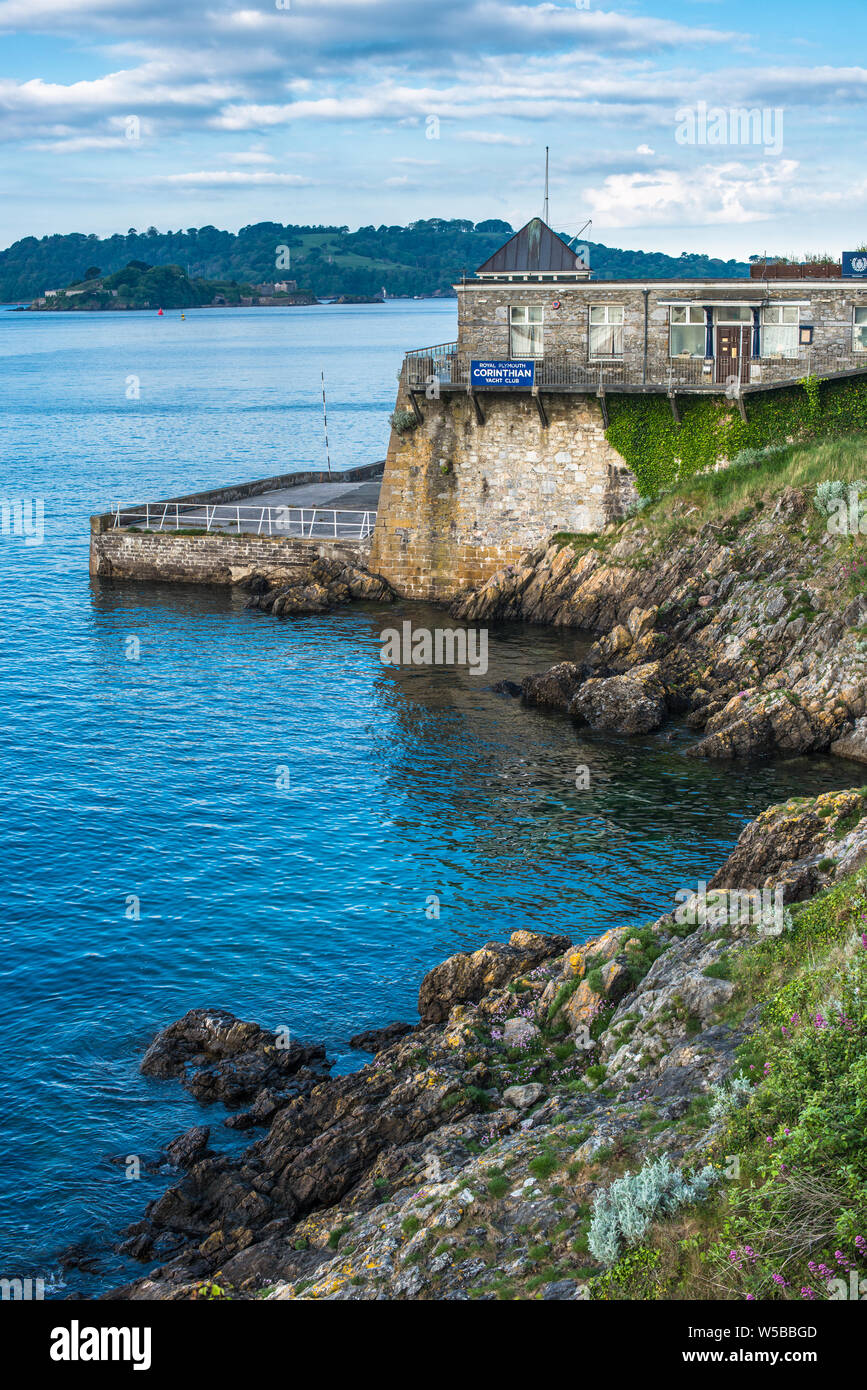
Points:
[(623, 1212), (726, 1098)]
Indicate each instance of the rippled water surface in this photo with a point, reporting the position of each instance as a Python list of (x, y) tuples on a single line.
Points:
[(151, 859)]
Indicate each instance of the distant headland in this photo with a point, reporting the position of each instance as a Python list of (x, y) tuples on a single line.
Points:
[(139, 285)]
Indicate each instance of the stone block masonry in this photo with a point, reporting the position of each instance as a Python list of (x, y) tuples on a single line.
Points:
[(461, 499), (218, 558)]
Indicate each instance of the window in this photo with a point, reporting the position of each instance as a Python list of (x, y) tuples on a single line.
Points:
[(688, 334), (780, 330), (526, 334), (859, 337), (606, 330), (739, 313)]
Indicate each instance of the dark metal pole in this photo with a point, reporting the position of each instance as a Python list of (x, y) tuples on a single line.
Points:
[(325, 422), (646, 294)]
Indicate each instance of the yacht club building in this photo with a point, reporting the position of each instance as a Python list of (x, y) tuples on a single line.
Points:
[(535, 301)]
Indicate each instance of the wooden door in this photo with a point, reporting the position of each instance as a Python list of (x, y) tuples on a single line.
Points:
[(733, 353)]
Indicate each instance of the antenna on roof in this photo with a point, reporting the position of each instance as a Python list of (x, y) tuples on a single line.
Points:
[(545, 213)]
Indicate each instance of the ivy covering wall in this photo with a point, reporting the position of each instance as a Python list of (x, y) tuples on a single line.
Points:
[(661, 453)]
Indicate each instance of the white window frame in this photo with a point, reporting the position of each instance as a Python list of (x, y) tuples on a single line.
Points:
[(859, 328), (744, 319), (610, 323), (519, 318), (773, 320), (694, 317)]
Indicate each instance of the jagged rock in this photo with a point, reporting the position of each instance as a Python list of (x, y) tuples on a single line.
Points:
[(217, 1057), (581, 1007), (853, 744), (188, 1148), (786, 844), (522, 1097), (300, 599), (375, 1039), (269, 1101), (517, 1032), (467, 976), (554, 689), (615, 981), (360, 584), (559, 1291), (316, 589), (633, 703)]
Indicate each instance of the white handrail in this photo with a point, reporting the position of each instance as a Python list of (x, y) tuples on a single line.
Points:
[(309, 523)]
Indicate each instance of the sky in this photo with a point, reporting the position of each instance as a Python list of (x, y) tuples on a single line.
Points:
[(172, 113)]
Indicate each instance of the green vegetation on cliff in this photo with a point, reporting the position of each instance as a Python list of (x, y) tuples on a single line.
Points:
[(788, 1219), (424, 258), (661, 453)]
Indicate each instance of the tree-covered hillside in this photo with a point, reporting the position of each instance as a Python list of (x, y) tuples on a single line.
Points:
[(423, 258)]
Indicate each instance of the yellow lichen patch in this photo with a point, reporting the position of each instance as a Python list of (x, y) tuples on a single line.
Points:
[(575, 962)]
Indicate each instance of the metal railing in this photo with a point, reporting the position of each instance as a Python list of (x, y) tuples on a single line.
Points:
[(306, 523), (443, 365)]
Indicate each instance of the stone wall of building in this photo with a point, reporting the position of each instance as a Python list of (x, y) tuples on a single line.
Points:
[(460, 499), (117, 553), (483, 314)]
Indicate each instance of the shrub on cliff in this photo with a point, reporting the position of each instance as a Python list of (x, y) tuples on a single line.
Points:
[(624, 1211), (403, 421), (835, 498)]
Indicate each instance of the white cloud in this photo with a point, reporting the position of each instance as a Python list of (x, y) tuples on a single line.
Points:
[(249, 157), (733, 193), (493, 137), (233, 178)]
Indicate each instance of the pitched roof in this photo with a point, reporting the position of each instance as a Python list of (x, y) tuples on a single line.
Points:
[(534, 249)]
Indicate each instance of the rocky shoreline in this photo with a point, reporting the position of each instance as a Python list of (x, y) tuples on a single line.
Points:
[(318, 588), (744, 627), (462, 1160)]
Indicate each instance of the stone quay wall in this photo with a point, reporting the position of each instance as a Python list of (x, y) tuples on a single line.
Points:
[(218, 558)]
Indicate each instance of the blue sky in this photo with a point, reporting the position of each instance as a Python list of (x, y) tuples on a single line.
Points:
[(130, 113)]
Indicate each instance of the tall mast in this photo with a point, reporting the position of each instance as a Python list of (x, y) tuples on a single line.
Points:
[(545, 214)]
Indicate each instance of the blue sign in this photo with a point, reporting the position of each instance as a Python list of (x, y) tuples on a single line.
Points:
[(855, 264), (508, 374)]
